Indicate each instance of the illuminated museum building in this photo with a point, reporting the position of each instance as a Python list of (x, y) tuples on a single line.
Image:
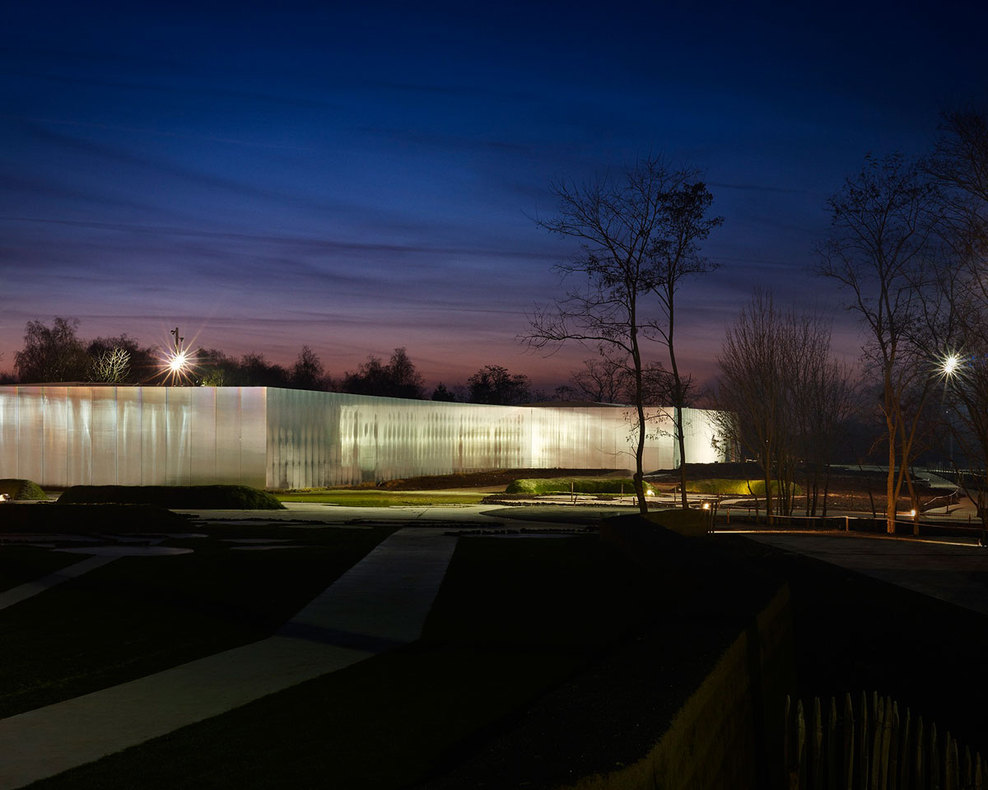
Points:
[(280, 438)]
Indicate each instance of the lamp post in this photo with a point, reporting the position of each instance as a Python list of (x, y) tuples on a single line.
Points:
[(177, 361), (950, 368)]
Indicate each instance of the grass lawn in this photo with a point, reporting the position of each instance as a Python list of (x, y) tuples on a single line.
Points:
[(359, 497), (513, 619), (139, 615)]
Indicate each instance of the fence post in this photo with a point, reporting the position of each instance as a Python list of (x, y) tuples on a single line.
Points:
[(787, 738), (873, 748), (905, 752), (950, 763), (849, 729), (919, 775), (893, 749), (863, 754), (831, 748), (795, 741), (815, 773), (878, 725), (886, 743)]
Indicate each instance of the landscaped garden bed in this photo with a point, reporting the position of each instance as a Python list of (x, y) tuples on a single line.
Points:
[(211, 497)]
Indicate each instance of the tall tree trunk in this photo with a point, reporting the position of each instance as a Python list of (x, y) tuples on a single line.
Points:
[(679, 401), (891, 425), (678, 421), (639, 476), (767, 467)]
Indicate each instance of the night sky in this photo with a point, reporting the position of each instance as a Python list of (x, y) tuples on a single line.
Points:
[(361, 176)]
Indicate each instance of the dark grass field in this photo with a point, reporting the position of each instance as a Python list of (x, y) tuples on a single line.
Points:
[(513, 619), (139, 615), (543, 659)]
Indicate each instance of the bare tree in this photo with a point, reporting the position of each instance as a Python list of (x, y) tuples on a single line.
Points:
[(51, 353), (142, 361), (406, 381), (307, 373), (606, 379), (494, 384), (111, 366), (751, 387), (884, 226), (825, 399), (960, 157), (782, 395), (622, 225), (959, 163), (256, 371), (396, 379), (675, 257)]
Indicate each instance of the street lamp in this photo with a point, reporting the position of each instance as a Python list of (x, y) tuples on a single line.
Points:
[(950, 366), (177, 361)]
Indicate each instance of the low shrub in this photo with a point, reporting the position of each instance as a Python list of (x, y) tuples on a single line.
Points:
[(731, 487), (578, 485), (21, 489), (217, 497)]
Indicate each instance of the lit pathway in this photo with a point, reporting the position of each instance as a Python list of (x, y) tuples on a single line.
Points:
[(379, 603)]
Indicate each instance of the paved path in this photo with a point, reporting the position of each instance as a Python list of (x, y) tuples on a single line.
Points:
[(953, 571), (381, 602)]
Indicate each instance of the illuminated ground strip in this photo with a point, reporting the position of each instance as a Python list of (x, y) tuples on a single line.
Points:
[(381, 602)]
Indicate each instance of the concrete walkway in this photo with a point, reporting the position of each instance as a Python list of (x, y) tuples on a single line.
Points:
[(381, 602), (955, 571)]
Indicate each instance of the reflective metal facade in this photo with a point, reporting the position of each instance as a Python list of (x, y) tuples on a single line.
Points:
[(276, 438)]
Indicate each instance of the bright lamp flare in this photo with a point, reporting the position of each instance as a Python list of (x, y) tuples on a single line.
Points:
[(950, 365), (178, 362), (177, 365)]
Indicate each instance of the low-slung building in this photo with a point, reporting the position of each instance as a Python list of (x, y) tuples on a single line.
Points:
[(278, 438)]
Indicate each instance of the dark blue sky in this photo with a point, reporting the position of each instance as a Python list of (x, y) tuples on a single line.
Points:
[(363, 176)]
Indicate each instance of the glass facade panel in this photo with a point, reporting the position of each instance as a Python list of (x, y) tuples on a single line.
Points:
[(60, 436)]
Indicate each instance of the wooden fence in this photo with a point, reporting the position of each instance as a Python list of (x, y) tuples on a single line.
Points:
[(868, 745)]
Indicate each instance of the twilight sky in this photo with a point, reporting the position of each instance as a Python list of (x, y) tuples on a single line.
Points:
[(360, 176)]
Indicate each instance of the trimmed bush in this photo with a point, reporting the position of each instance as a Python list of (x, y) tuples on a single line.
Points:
[(580, 485), (218, 497), (21, 489)]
